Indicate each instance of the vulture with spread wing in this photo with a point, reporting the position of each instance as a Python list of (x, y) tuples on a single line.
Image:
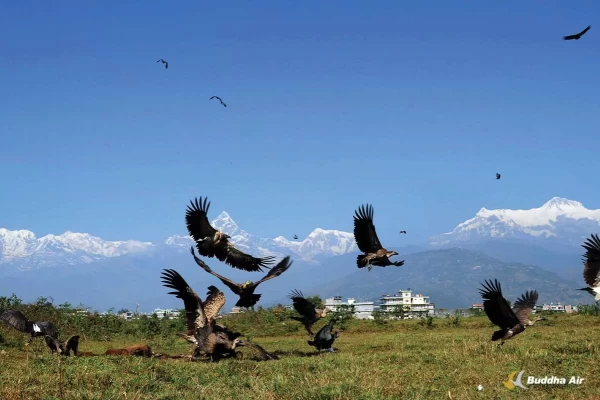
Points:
[(496, 307), (309, 313), (246, 290), (577, 36), (325, 337), (213, 243), (368, 242), (591, 266)]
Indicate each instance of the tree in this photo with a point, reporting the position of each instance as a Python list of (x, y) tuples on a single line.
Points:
[(398, 311), (317, 301), (123, 311)]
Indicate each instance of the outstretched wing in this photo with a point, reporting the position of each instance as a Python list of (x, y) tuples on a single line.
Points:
[(325, 332), (16, 319), (240, 260), (303, 306), (228, 282), (48, 328), (191, 302), (277, 270), (584, 31), (215, 300), (263, 354), (364, 230), (496, 307), (198, 227), (591, 268), (523, 306)]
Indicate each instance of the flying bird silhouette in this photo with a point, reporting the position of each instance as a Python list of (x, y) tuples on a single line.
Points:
[(577, 36), (403, 232), (217, 97), (296, 237), (497, 175), (306, 308), (164, 62)]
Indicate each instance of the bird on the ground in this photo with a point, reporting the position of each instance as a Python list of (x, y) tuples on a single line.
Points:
[(213, 243), (496, 307), (296, 237), (164, 62), (577, 36), (63, 349), (368, 242), (591, 266), (498, 175), (403, 232), (246, 290), (18, 321), (217, 97), (325, 337), (306, 308)]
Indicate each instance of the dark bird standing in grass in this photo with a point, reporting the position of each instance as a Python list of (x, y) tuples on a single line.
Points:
[(325, 337), (497, 175), (510, 321), (63, 349), (368, 242), (217, 97), (309, 313), (213, 243), (246, 290), (164, 62), (591, 266), (577, 36)]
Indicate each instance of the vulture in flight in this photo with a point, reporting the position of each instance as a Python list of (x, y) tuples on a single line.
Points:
[(309, 313), (577, 36), (246, 290), (164, 62), (201, 329), (368, 242), (497, 175), (213, 243), (296, 237), (325, 337), (403, 232), (591, 266), (218, 98), (510, 321)]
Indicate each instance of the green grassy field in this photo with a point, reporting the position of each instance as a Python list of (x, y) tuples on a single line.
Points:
[(398, 360)]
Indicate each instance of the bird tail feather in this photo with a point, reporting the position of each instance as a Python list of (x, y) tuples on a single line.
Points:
[(361, 260), (497, 335)]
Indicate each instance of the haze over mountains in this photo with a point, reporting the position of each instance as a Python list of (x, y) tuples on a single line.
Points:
[(99, 273)]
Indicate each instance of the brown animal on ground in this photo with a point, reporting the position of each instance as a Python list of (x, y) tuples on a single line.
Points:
[(140, 350)]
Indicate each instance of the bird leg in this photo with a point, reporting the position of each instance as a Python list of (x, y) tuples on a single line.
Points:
[(331, 350)]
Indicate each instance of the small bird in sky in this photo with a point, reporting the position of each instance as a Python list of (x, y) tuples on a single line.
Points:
[(164, 62), (403, 232), (296, 237), (217, 97), (497, 175), (577, 36)]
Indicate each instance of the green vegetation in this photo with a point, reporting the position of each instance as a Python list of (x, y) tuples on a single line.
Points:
[(430, 358)]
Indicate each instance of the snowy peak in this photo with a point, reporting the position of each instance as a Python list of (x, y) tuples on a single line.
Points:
[(558, 218)]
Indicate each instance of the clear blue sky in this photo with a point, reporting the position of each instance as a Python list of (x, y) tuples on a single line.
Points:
[(411, 106)]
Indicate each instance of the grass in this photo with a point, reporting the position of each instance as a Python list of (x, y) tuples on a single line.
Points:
[(397, 360)]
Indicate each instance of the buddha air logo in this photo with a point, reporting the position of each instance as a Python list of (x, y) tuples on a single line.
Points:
[(511, 382)]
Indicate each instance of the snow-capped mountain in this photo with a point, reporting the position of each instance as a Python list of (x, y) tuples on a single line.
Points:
[(565, 220), (22, 250)]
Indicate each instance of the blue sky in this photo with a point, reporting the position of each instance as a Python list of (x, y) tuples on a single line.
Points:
[(411, 106)]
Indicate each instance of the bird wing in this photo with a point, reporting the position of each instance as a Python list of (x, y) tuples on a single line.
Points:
[(570, 37), (48, 328), (584, 31), (215, 300), (591, 269), (264, 355), (496, 307), (277, 270), (16, 319), (385, 261), (237, 259), (303, 306), (325, 332), (191, 301), (523, 306), (196, 220), (364, 230), (235, 288)]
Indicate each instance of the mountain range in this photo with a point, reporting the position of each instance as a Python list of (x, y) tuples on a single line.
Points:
[(548, 237)]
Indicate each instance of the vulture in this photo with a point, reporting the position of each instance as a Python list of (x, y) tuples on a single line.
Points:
[(217, 97), (213, 243), (591, 266), (164, 62), (577, 36), (309, 313), (63, 349), (246, 290), (18, 321), (296, 237), (498, 175), (403, 232), (325, 337), (368, 242), (204, 333), (510, 321)]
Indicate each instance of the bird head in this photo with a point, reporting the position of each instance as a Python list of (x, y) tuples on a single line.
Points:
[(246, 284), (236, 342)]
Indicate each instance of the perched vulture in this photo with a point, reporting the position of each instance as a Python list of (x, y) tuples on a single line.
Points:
[(496, 307), (246, 290), (213, 243), (591, 266), (217, 97), (368, 242), (309, 313), (577, 36), (164, 62), (325, 337)]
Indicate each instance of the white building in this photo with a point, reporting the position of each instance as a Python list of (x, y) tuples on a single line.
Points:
[(416, 303), (362, 309), (166, 313), (558, 307)]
